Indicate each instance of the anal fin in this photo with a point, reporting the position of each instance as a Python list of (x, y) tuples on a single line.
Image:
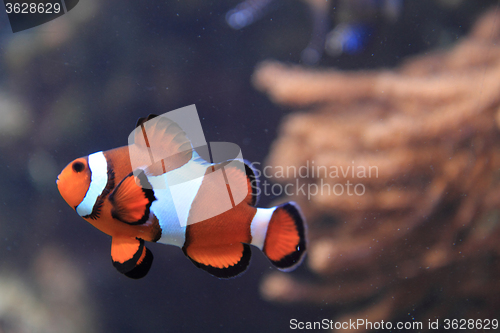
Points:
[(222, 261)]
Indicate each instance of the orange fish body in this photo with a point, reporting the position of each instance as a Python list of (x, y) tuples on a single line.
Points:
[(133, 205)]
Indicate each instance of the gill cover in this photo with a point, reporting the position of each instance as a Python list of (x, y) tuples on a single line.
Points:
[(74, 181)]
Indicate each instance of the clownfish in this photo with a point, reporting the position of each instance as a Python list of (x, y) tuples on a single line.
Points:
[(135, 205)]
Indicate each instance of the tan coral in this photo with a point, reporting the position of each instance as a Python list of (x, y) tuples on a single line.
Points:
[(424, 233)]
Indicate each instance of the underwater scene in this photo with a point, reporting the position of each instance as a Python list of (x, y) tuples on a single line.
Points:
[(249, 166)]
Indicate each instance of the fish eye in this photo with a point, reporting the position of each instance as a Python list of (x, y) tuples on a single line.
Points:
[(78, 167)]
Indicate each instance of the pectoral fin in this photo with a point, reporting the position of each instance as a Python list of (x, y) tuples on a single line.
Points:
[(131, 257), (131, 202)]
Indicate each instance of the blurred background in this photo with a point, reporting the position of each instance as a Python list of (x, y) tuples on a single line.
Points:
[(408, 86)]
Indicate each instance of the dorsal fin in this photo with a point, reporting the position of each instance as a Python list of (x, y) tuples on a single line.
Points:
[(253, 180), (159, 145), (142, 120)]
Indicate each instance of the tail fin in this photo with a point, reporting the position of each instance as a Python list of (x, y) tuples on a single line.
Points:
[(285, 243)]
